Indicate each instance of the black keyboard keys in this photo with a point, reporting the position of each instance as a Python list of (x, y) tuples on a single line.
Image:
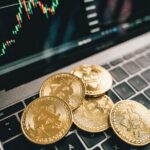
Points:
[(119, 74), (138, 83), (106, 66), (10, 110), (146, 75), (21, 143), (124, 90), (20, 114), (97, 148), (148, 56), (128, 56), (131, 67), (147, 92), (116, 62), (143, 100), (9, 127), (70, 143), (147, 147), (91, 139), (30, 99), (113, 96), (141, 50), (143, 61), (115, 144)]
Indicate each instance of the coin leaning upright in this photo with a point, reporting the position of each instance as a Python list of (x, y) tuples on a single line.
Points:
[(65, 86), (46, 120), (97, 79), (130, 120), (93, 114)]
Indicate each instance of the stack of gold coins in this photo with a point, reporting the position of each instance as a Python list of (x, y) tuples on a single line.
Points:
[(47, 119), (93, 114), (129, 120), (80, 97)]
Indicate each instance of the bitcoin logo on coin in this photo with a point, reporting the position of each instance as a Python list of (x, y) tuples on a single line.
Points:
[(97, 80), (65, 86), (93, 114), (131, 122), (46, 120)]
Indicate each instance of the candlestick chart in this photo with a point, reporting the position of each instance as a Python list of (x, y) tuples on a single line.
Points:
[(27, 8)]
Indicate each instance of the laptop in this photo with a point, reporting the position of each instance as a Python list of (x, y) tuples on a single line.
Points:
[(39, 38)]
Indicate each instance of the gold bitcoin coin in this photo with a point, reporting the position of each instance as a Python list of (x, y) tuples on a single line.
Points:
[(97, 80), (93, 114), (65, 86), (46, 120), (130, 120)]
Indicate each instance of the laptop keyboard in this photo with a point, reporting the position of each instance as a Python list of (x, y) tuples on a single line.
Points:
[(131, 75)]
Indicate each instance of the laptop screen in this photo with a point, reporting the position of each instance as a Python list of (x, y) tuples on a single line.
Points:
[(34, 30)]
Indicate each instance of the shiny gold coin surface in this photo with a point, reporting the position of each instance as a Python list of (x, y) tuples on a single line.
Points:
[(130, 120), (46, 120), (65, 86), (97, 80), (93, 114)]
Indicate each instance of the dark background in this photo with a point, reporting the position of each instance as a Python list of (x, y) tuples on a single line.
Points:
[(68, 25)]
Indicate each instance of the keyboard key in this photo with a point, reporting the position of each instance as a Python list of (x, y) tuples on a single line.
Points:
[(29, 100), (109, 132), (115, 143), (138, 83), (147, 147), (131, 67), (10, 110), (147, 92), (9, 127), (97, 148), (146, 75), (147, 47), (70, 143), (128, 56), (143, 61), (139, 51), (116, 62), (119, 74), (113, 96), (148, 56), (73, 127), (114, 82), (143, 100), (91, 139), (21, 143), (1, 146), (124, 90), (20, 114), (106, 66)]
